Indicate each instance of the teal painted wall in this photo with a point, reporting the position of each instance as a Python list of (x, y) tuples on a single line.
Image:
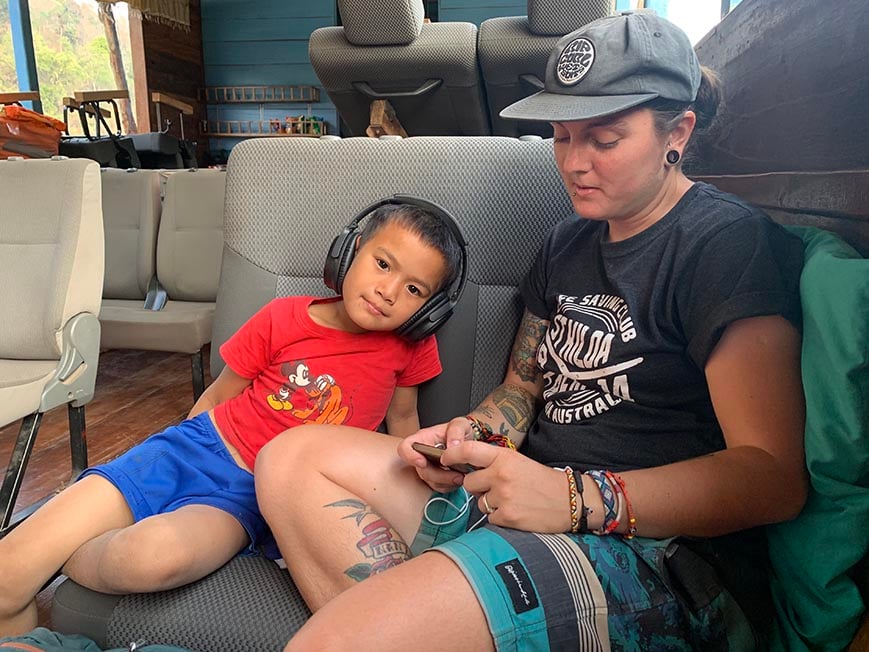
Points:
[(476, 11), (263, 44)]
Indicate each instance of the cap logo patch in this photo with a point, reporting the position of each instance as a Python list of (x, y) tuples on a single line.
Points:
[(575, 61)]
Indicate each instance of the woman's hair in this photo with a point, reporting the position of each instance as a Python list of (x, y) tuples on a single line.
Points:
[(667, 113), (427, 226)]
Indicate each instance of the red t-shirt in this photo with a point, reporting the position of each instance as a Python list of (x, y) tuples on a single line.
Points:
[(306, 373)]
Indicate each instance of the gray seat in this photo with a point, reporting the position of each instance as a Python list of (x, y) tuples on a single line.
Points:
[(177, 314), (51, 263), (513, 52), (285, 201), (427, 72), (157, 150), (131, 214)]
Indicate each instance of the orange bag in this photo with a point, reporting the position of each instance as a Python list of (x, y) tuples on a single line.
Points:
[(29, 134)]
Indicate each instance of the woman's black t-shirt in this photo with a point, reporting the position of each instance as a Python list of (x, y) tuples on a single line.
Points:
[(632, 324)]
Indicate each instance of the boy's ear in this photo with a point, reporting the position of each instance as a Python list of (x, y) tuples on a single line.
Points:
[(356, 245)]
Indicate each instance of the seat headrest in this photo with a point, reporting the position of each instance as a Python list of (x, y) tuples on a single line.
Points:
[(557, 17), (381, 22)]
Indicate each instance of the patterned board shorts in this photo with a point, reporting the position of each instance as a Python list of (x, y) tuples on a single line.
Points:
[(586, 592)]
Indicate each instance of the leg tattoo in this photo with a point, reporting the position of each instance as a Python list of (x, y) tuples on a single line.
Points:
[(380, 544)]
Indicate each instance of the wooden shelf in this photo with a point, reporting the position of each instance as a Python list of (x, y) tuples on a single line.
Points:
[(216, 135), (265, 127), (289, 126), (260, 94)]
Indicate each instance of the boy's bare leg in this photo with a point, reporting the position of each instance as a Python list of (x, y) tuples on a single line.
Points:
[(35, 550), (341, 504), (423, 605), (159, 552)]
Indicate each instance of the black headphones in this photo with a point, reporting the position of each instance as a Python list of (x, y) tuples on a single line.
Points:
[(438, 309)]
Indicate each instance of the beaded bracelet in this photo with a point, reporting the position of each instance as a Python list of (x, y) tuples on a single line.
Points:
[(571, 489), (478, 428), (484, 434)]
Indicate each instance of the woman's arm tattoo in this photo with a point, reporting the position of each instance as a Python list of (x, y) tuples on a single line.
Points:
[(517, 406), (511, 403), (523, 359)]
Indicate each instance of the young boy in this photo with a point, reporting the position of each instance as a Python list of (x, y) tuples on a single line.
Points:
[(182, 503)]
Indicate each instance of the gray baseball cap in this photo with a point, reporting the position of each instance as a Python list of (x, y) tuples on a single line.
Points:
[(610, 65)]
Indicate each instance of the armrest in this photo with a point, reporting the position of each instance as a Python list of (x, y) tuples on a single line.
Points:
[(22, 96), (73, 104), (76, 373), (101, 96)]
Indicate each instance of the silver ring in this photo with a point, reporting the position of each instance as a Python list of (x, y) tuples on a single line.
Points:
[(489, 508)]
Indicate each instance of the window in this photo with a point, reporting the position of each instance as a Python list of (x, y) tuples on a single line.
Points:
[(72, 52), (696, 17), (8, 76)]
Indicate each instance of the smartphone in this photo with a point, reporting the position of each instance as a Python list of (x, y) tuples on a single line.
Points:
[(433, 455)]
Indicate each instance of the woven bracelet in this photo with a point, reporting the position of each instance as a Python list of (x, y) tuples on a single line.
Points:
[(610, 502), (571, 489)]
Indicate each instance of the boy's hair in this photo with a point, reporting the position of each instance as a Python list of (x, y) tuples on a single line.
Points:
[(429, 227)]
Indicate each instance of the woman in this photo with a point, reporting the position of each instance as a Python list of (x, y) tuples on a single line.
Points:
[(659, 343)]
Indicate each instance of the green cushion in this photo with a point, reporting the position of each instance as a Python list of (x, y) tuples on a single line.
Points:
[(818, 604)]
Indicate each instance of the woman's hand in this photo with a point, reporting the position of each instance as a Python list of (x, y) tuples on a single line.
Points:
[(513, 489), (437, 477)]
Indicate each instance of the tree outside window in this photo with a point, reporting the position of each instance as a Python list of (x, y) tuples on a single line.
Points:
[(71, 49)]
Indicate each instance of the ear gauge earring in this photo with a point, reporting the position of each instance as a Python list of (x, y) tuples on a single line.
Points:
[(673, 157)]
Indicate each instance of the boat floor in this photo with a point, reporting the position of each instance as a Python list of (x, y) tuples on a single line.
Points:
[(137, 393)]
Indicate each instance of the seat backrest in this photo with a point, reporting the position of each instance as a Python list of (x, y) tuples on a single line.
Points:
[(131, 212), (277, 233), (514, 49), (51, 252), (190, 238), (428, 72)]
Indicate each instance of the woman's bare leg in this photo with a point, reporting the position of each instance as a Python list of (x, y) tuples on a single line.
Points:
[(159, 552), (35, 550), (423, 605), (341, 504)]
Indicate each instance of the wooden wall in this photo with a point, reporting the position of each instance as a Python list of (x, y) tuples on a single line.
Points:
[(793, 132), (476, 11), (173, 64), (796, 86), (263, 43)]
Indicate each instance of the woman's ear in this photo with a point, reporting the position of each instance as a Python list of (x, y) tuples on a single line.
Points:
[(678, 138)]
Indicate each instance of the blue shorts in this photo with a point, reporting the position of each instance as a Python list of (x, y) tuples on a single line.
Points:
[(586, 592), (187, 464)]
